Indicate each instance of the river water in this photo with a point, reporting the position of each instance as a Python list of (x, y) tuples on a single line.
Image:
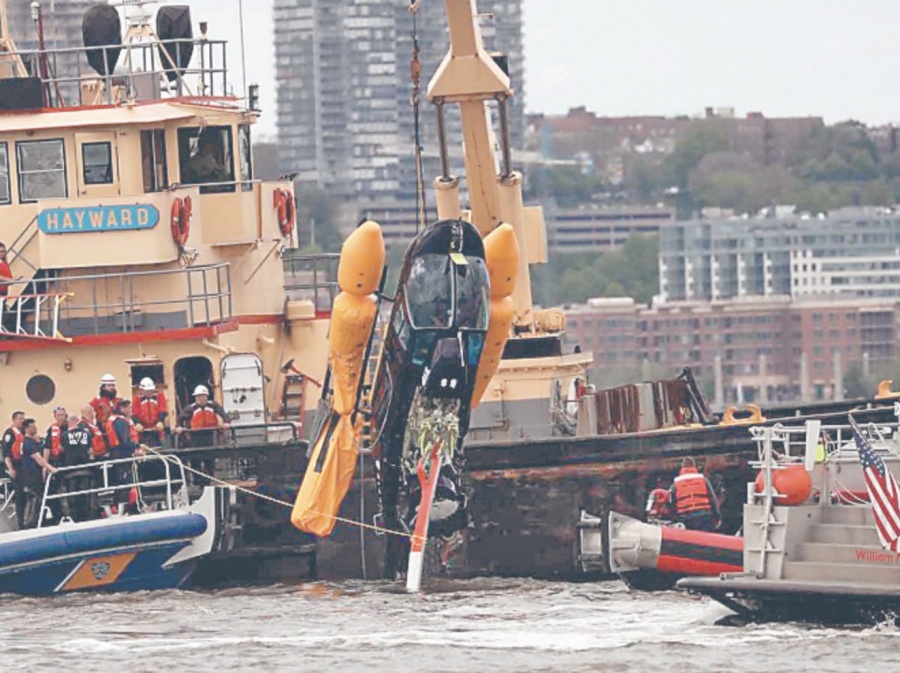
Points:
[(471, 626)]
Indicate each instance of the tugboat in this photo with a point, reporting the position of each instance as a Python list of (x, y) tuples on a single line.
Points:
[(820, 528), (140, 246), (97, 547)]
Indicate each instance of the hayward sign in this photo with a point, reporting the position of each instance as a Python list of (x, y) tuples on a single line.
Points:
[(98, 218)]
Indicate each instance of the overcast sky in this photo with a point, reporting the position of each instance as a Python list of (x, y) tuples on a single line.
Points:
[(835, 58)]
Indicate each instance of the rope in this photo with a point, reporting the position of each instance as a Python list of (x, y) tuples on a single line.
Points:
[(416, 75), (277, 501)]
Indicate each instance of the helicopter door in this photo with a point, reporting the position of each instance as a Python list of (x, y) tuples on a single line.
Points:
[(97, 162), (243, 389)]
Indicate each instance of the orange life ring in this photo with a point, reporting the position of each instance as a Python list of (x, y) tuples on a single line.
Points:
[(181, 220), (287, 214)]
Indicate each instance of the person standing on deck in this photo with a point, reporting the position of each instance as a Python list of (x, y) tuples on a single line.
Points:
[(30, 476), (106, 399), (123, 441), (12, 443), (55, 442), (203, 419), (83, 441), (694, 499), (150, 412)]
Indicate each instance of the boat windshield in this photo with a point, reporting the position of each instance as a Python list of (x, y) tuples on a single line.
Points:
[(472, 287), (429, 292)]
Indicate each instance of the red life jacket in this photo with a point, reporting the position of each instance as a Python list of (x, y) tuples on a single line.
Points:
[(15, 451), (691, 493), (103, 408), (204, 417), (147, 410), (54, 439), (5, 274), (112, 439), (98, 444)]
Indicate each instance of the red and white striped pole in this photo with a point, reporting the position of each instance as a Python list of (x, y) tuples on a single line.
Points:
[(428, 486)]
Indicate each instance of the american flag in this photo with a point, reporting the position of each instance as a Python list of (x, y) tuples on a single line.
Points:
[(884, 492)]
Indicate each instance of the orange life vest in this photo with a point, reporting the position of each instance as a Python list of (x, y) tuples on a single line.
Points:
[(147, 410), (112, 439), (15, 451), (103, 408), (691, 493), (98, 444), (204, 417), (54, 438)]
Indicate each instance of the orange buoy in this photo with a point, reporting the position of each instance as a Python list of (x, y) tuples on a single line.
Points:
[(793, 482)]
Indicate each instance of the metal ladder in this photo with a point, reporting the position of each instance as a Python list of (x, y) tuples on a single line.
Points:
[(43, 314), (767, 522)]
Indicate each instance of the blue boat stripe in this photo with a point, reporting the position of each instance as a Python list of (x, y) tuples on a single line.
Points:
[(128, 533)]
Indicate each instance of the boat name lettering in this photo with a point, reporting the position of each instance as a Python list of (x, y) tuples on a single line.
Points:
[(876, 556), (98, 218)]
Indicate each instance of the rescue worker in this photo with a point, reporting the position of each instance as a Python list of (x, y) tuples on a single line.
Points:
[(5, 273), (54, 449), (30, 471), (12, 443), (694, 499), (204, 419), (150, 412), (106, 399), (9, 318), (83, 440), (123, 441), (55, 441)]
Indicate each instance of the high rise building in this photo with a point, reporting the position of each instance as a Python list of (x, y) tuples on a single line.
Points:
[(62, 30), (345, 122)]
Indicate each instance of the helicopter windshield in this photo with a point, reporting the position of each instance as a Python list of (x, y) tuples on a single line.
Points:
[(429, 292), (472, 287)]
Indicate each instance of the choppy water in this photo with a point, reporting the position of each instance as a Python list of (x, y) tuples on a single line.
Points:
[(472, 626)]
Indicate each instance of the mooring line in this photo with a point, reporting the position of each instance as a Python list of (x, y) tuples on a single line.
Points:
[(277, 501)]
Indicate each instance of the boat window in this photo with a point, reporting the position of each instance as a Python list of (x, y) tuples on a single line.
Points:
[(429, 292), (97, 162), (206, 158), (245, 156), (153, 160), (42, 170), (472, 288), (5, 196)]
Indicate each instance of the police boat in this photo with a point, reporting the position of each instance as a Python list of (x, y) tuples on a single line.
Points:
[(96, 531)]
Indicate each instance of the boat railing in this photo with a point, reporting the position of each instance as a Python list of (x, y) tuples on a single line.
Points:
[(104, 475), (240, 434), (146, 72), (312, 277), (197, 296)]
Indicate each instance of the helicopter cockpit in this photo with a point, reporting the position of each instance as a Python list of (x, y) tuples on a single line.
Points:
[(448, 292)]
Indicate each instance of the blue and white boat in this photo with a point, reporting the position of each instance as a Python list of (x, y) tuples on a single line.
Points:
[(157, 546)]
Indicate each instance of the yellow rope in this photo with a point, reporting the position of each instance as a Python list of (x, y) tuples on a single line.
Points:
[(284, 503)]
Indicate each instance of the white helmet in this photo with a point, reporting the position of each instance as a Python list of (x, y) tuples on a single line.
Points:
[(107, 379), (201, 390), (147, 385)]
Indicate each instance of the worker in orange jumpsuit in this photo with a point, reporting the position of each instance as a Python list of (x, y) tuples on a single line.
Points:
[(150, 411), (106, 399), (204, 420), (694, 499)]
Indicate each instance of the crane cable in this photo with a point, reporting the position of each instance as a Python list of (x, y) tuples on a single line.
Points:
[(416, 75)]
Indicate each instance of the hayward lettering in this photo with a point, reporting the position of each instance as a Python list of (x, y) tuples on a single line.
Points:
[(98, 218)]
